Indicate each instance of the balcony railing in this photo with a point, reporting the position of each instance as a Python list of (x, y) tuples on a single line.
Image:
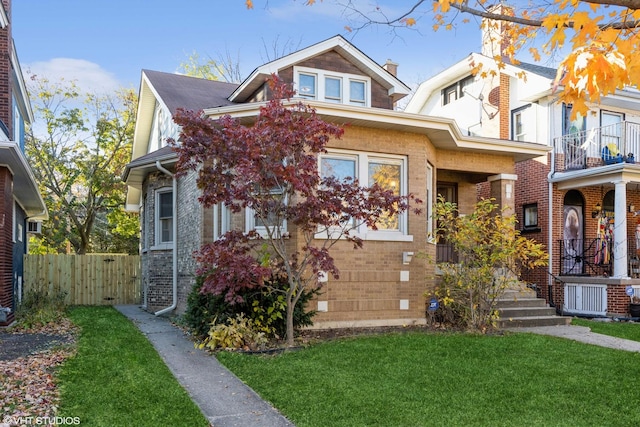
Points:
[(600, 146)]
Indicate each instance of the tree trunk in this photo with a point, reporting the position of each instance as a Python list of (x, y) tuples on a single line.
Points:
[(290, 331)]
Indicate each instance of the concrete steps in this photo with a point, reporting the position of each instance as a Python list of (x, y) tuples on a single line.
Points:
[(522, 309)]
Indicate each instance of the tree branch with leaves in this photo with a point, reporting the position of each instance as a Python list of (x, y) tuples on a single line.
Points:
[(597, 40), (271, 168), (79, 145)]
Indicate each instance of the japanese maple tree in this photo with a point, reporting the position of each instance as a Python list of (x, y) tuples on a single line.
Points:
[(271, 167)]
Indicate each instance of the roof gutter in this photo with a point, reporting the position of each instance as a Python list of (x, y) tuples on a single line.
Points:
[(174, 303)]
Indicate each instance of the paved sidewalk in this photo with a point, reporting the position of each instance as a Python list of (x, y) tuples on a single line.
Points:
[(583, 334), (222, 397)]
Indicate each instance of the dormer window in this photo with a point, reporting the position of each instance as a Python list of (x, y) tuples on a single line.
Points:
[(307, 85), (357, 92), (333, 87), (456, 90)]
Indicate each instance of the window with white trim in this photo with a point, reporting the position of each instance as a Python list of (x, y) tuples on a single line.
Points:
[(164, 216), (389, 171), (521, 119), (144, 224), (334, 87), (221, 220), (267, 218)]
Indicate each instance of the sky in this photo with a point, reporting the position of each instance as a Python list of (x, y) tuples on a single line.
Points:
[(106, 44)]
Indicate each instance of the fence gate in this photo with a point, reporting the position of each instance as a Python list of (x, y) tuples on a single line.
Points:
[(105, 279)]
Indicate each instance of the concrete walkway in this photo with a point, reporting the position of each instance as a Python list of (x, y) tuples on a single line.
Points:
[(226, 401), (222, 397), (583, 334)]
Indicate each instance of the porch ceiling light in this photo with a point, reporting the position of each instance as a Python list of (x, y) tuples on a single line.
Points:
[(596, 210)]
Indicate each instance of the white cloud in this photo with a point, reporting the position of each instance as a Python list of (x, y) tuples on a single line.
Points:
[(89, 76)]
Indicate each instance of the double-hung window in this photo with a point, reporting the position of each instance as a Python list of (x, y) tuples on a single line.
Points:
[(333, 89), (221, 220), (522, 123), (269, 218), (340, 88), (388, 171), (307, 86), (530, 217), (164, 217)]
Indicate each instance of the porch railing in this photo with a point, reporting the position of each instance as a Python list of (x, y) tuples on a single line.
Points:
[(616, 143), (446, 253), (590, 257)]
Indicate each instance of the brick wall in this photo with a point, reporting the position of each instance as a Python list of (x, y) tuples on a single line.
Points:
[(369, 289), (374, 286), (157, 265), (532, 188), (6, 102), (505, 108), (191, 227)]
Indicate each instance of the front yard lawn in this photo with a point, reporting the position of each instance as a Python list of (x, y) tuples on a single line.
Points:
[(434, 379), (626, 330), (118, 379)]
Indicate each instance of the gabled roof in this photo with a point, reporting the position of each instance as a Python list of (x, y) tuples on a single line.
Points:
[(174, 91), (396, 89), (463, 68), (192, 93)]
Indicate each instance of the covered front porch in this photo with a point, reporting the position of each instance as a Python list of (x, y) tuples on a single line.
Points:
[(594, 247)]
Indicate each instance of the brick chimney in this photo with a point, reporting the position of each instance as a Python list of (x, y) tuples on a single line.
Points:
[(391, 67), (493, 41)]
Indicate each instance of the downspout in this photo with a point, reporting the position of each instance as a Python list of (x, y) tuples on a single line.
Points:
[(552, 171), (174, 303)]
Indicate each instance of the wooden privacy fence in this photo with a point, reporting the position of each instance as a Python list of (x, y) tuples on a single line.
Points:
[(106, 279)]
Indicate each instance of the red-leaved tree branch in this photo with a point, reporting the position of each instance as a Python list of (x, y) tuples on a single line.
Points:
[(271, 167)]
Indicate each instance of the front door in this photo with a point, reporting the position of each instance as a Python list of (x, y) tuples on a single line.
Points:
[(444, 250), (573, 240)]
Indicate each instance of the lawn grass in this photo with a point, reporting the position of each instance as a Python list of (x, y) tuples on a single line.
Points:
[(627, 330), (118, 379), (429, 379)]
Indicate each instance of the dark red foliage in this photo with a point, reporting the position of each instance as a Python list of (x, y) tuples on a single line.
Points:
[(272, 166)]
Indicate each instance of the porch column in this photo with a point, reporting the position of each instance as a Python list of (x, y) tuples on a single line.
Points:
[(620, 231), (502, 189)]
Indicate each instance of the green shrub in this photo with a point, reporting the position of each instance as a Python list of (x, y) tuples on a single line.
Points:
[(266, 308), (237, 333), (38, 309), (491, 255)]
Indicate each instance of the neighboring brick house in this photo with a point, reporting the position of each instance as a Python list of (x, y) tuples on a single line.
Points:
[(384, 282), (20, 199), (581, 199)]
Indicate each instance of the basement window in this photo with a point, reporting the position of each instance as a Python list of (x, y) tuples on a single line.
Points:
[(530, 218)]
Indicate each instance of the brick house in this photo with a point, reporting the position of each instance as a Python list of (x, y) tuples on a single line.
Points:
[(21, 204), (581, 200), (381, 284)]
